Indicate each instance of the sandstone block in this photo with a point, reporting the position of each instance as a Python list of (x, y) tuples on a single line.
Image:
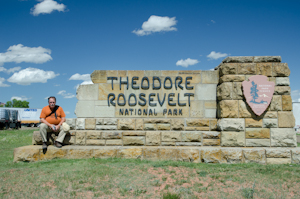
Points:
[(232, 155), (189, 155), (281, 70), (279, 161), (254, 155), (238, 59), (272, 79), (247, 69), (228, 124), (228, 69), (114, 142), (197, 122), (210, 113), (72, 123), (250, 122), (211, 142), (258, 142), (163, 127), (149, 127), (229, 109), (134, 133), (282, 81), (276, 103), (213, 124), (270, 123), (295, 156), (132, 153), (110, 121), (168, 143), (87, 92), (111, 135), (168, 153), (53, 153), (99, 121), (155, 121), (208, 89), (283, 137), (257, 133), (133, 140), (151, 153), (80, 153), (170, 136), (90, 123), (287, 104), (210, 155), (210, 104), (197, 128), (139, 124), (270, 114), (224, 91), (282, 90), (177, 124), (85, 109), (106, 127), (99, 76), (211, 134), (27, 154), (105, 152), (188, 143), (126, 124), (232, 78), (80, 137), (278, 153), (93, 134), (80, 124), (95, 142), (233, 139), (103, 111), (286, 119), (237, 92), (267, 59), (210, 77), (153, 138), (244, 110), (187, 136), (264, 69)]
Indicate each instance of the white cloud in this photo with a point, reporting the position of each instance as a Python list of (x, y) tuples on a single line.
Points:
[(156, 24), (212, 21), (11, 70), (187, 62), (46, 7), (65, 94), (19, 53), (31, 75), (84, 77), (67, 112), (214, 55), (2, 84), (295, 96), (22, 98)]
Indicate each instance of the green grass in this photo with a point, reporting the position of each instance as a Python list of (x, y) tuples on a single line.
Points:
[(125, 178)]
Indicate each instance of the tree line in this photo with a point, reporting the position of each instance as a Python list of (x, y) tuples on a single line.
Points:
[(16, 104)]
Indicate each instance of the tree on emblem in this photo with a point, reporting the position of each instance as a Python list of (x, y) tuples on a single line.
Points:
[(253, 92)]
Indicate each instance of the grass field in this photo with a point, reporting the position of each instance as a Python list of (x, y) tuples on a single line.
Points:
[(120, 178)]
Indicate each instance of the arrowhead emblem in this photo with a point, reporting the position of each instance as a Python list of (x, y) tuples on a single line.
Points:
[(258, 92)]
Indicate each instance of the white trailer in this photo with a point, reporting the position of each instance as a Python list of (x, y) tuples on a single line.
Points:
[(296, 112), (28, 116)]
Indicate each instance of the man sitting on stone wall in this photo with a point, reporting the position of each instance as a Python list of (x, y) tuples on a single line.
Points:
[(52, 118)]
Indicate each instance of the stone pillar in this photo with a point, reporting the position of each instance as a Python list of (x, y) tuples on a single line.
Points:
[(238, 124)]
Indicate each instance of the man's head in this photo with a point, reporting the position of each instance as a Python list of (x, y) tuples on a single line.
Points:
[(52, 101)]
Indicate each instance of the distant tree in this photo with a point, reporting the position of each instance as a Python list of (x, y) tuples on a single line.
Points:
[(17, 104), (1, 105)]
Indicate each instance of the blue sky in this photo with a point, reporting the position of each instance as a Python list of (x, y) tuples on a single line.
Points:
[(58, 44)]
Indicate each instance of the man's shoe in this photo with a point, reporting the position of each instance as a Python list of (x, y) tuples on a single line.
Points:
[(57, 144), (44, 147)]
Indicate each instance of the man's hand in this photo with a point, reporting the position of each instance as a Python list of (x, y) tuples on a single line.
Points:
[(55, 128)]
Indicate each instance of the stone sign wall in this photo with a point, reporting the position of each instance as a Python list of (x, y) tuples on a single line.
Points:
[(198, 116)]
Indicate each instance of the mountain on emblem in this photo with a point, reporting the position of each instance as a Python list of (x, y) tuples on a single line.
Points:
[(258, 92)]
